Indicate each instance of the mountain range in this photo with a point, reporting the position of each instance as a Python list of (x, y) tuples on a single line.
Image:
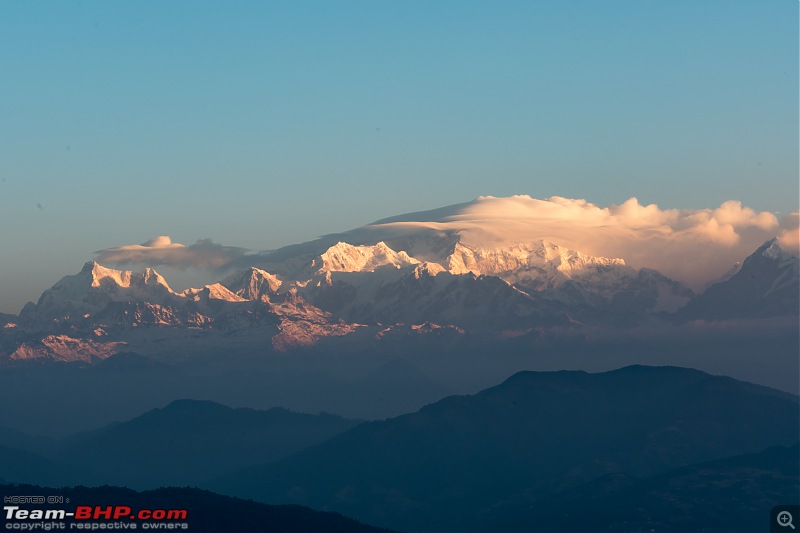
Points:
[(307, 295), (382, 320), (502, 456), (186, 442), (638, 448)]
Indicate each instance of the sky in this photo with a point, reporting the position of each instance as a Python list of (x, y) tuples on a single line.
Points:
[(260, 124)]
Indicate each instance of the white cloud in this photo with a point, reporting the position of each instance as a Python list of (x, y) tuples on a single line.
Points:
[(691, 245), (789, 237), (160, 250)]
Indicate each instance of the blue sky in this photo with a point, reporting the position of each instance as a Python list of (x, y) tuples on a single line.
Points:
[(258, 124)]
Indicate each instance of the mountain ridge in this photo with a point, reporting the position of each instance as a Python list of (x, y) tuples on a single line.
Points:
[(535, 435), (189, 441), (97, 312)]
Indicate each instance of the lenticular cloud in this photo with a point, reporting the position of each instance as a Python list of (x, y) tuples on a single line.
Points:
[(693, 246), (204, 254)]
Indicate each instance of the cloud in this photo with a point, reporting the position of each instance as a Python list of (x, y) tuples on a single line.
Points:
[(694, 246), (204, 254), (789, 237), (690, 245)]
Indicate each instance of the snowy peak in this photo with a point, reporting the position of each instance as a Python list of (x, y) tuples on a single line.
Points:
[(335, 289), (66, 349), (94, 287), (150, 278), (95, 275), (215, 291), (773, 250), (766, 285), (428, 270), (100, 276), (344, 257), (542, 260), (520, 260), (770, 261), (253, 284), (76, 298)]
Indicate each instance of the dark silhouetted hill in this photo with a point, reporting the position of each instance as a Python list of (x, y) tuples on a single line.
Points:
[(191, 441), (538, 434), (731, 494), (206, 511)]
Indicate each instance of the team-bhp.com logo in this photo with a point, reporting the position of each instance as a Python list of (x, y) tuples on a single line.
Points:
[(85, 512), (94, 517)]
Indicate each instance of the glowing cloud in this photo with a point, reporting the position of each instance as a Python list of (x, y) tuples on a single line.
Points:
[(693, 246), (160, 250), (789, 237)]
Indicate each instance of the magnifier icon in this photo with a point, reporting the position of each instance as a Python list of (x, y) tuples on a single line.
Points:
[(785, 519)]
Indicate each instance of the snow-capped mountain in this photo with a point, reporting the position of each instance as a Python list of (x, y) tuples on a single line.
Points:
[(66, 349), (98, 296), (439, 269), (767, 284), (343, 257), (94, 287), (253, 284)]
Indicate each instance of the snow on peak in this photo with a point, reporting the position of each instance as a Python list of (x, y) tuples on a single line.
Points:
[(149, 283), (773, 250), (150, 277), (253, 284), (95, 286), (66, 349), (109, 278), (218, 291), (100, 275), (344, 257), (215, 291), (539, 256), (684, 244), (428, 270)]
